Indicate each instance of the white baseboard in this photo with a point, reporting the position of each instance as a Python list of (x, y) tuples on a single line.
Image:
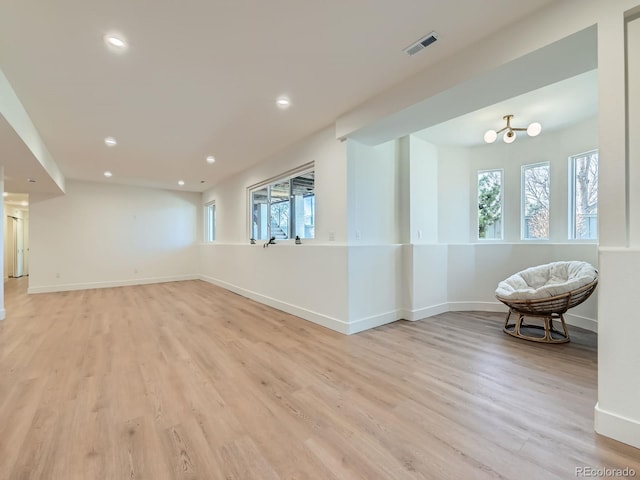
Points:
[(109, 284), (374, 321), (477, 307), (420, 313), (571, 319), (581, 322), (317, 318), (622, 429)]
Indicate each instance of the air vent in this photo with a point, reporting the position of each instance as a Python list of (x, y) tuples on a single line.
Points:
[(421, 44)]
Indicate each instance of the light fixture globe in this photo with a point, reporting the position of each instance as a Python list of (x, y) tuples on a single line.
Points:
[(509, 136), (534, 129), (490, 136)]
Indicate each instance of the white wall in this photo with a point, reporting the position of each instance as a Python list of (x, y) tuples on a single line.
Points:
[(373, 177), (100, 235), (618, 409), (308, 280), (424, 189), (462, 272), (554, 147), (455, 219), (329, 154), (429, 274), (633, 65), (335, 282), (11, 108), (474, 272)]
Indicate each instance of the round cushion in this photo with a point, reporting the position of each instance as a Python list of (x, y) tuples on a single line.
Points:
[(548, 280)]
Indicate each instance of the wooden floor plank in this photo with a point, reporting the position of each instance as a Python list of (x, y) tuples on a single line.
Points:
[(186, 380)]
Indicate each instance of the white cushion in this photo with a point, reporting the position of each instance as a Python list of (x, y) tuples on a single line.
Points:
[(546, 281)]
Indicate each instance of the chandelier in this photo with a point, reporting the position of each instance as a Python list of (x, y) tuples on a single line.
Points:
[(510, 132)]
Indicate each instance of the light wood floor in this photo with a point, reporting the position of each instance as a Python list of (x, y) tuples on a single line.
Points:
[(186, 380)]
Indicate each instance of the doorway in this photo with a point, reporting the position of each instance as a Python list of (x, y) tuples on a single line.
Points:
[(16, 236)]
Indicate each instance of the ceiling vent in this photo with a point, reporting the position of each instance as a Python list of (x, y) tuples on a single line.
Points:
[(421, 44)]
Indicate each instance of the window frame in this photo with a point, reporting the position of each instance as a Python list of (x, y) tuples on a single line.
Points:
[(572, 197), (285, 176), (207, 222), (502, 193), (523, 202)]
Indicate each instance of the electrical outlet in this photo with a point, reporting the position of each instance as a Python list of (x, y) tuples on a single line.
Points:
[(419, 234), (357, 234), (57, 275), (332, 236)]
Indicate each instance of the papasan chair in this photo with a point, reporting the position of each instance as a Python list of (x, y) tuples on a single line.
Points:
[(546, 292)]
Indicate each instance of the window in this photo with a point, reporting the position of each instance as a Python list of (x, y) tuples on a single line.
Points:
[(490, 204), (210, 222), (583, 196), (284, 208), (535, 201)]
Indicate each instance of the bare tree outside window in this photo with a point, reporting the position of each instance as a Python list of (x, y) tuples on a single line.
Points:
[(584, 196), (535, 201), (490, 204)]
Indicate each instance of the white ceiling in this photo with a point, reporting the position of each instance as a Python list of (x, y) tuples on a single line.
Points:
[(556, 106), (20, 165), (201, 76), (19, 200)]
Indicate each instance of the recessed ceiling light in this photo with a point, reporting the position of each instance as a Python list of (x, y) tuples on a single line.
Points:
[(24, 203), (283, 102), (180, 182), (110, 142), (5, 194), (108, 174), (115, 42), (211, 159)]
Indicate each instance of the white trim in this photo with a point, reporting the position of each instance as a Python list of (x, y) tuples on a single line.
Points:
[(336, 324), (523, 200), (502, 188), (288, 175), (581, 322), (374, 321), (420, 313), (571, 234), (109, 284), (3, 314), (622, 429), (571, 319), (207, 225), (318, 318), (477, 307), (294, 172)]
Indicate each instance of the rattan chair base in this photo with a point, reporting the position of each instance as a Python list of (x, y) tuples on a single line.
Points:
[(519, 329), (548, 309)]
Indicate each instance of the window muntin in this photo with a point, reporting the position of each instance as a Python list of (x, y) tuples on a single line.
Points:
[(583, 196), (490, 195), (210, 222), (284, 208), (536, 187)]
